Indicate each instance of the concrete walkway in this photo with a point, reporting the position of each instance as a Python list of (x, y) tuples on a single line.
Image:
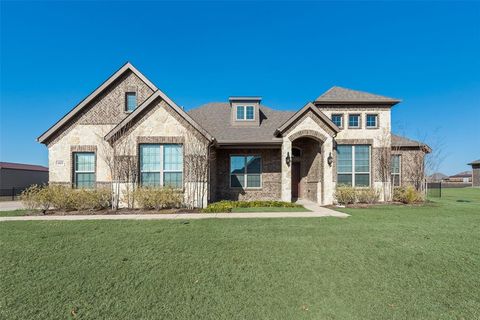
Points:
[(322, 212), (11, 205)]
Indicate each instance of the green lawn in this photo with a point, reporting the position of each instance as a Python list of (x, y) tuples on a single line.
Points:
[(15, 213), (382, 263), (270, 209)]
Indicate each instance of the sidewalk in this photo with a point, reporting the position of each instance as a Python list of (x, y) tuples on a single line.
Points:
[(323, 212), (10, 205)]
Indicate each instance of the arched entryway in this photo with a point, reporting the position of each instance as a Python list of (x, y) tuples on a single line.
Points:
[(306, 168)]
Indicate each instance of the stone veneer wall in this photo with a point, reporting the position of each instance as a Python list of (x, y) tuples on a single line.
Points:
[(271, 176)]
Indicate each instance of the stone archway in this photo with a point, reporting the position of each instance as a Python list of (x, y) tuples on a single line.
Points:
[(307, 172)]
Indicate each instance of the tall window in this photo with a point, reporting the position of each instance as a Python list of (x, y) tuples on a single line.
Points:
[(245, 171), (245, 113), (354, 121), (131, 101), (84, 169), (338, 120), (396, 170), (372, 120), (353, 165), (161, 165)]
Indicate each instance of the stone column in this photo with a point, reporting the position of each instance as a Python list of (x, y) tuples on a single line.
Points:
[(286, 171), (327, 183)]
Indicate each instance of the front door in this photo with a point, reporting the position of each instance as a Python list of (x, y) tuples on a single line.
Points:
[(295, 179)]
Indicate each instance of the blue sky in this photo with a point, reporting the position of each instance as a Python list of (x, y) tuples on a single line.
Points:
[(53, 54)]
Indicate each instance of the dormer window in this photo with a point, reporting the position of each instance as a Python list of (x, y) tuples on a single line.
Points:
[(130, 101), (245, 113)]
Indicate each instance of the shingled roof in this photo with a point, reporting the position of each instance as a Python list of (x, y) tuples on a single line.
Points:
[(474, 162), (343, 95), (215, 117), (402, 142)]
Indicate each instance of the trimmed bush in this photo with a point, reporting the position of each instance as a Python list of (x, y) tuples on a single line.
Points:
[(227, 206), (345, 195), (367, 195), (65, 198), (158, 198), (407, 195)]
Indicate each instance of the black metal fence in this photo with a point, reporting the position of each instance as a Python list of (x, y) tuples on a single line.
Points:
[(434, 189), (11, 194)]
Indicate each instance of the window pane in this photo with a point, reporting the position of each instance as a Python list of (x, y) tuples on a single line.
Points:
[(237, 164), (237, 180), (253, 164), (172, 157), (131, 101), (395, 164), (353, 120), (253, 181), (337, 119), (250, 112), (371, 120), (149, 157), (150, 179), (344, 179), (396, 180), (85, 162), (362, 180), (344, 158), (362, 159), (85, 180), (172, 179), (241, 112)]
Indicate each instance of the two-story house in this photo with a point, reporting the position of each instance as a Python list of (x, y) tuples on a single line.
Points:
[(240, 148)]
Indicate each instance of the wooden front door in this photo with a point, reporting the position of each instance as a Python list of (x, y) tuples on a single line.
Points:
[(295, 179)]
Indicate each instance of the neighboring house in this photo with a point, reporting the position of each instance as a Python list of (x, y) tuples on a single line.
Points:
[(436, 177), (14, 177), (464, 177), (475, 172), (247, 150)]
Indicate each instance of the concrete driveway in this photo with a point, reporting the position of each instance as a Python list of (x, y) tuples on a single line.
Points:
[(11, 205)]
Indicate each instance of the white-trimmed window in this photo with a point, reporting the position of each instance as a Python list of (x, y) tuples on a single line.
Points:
[(354, 121), (245, 171), (161, 165), (338, 119), (396, 170), (371, 121), (245, 112), (130, 101), (353, 165), (84, 169)]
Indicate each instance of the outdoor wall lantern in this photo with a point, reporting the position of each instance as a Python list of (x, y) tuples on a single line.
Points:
[(288, 160), (330, 159)]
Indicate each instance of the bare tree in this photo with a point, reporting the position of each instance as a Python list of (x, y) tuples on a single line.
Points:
[(122, 166), (385, 163), (196, 164)]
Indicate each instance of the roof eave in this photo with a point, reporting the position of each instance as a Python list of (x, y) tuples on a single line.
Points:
[(350, 102)]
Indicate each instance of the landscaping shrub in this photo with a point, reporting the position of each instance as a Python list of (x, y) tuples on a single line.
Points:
[(407, 195), (65, 198), (345, 195), (37, 197), (367, 195), (227, 206), (158, 198)]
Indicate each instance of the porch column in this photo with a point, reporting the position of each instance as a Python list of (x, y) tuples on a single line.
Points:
[(286, 170)]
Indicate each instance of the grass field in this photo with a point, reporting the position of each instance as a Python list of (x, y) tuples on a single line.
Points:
[(395, 262)]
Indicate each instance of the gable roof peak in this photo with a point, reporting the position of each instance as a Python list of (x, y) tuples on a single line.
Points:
[(341, 95)]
